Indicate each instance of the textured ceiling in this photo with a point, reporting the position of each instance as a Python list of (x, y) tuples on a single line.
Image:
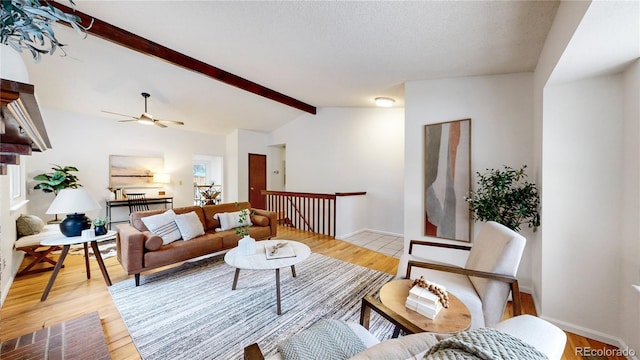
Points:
[(327, 54)]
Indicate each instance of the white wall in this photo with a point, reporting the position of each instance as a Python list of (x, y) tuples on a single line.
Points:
[(12, 67), (566, 21), (582, 177), (501, 112), (630, 230), (347, 150), (86, 143)]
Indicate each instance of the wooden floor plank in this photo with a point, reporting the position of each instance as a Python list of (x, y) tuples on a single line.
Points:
[(73, 295)]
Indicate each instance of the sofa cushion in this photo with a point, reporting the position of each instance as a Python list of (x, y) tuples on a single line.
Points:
[(29, 225), (260, 220), (153, 242), (163, 225), (233, 220), (189, 225), (183, 250)]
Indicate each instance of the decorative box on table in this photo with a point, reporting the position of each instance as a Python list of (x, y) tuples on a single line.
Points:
[(424, 302)]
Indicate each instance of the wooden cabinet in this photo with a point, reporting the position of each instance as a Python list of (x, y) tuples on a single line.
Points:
[(21, 127)]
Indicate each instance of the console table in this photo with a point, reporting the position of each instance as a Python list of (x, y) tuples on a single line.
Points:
[(167, 201)]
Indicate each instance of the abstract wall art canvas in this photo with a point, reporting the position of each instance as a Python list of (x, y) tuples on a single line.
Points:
[(448, 179), (133, 171)]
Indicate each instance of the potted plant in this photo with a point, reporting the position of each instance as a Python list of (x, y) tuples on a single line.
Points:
[(505, 196), (100, 225), (27, 23), (60, 178), (246, 245)]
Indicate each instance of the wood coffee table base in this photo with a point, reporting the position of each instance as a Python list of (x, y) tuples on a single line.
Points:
[(278, 309)]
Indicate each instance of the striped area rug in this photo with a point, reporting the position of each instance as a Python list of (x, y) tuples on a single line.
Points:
[(190, 311)]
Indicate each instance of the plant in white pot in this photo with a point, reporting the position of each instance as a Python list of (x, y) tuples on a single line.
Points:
[(246, 245), (506, 197)]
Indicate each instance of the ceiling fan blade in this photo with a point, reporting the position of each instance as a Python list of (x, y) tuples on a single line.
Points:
[(159, 124), (109, 112), (174, 122), (127, 120)]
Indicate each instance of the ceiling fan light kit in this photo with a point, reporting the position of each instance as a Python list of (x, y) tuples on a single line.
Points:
[(146, 118)]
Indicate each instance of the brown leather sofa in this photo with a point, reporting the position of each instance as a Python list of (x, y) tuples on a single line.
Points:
[(140, 250)]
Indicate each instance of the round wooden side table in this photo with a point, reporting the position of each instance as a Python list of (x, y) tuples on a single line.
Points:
[(450, 320)]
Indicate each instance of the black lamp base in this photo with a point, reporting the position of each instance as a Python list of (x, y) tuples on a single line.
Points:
[(73, 224)]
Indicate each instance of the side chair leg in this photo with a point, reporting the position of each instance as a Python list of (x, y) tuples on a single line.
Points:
[(137, 276)]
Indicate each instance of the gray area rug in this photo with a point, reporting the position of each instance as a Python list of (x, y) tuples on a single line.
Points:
[(190, 311)]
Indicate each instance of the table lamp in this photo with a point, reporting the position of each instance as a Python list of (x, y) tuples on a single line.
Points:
[(74, 203)]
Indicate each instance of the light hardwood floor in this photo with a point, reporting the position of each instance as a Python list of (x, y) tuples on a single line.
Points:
[(73, 295)]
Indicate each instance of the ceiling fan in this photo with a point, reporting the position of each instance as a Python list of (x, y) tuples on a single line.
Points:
[(146, 118)]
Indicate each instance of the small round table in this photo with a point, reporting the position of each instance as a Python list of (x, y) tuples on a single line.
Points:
[(451, 320), (66, 243), (259, 261)]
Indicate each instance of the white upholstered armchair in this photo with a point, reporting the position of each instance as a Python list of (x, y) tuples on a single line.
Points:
[(486, 280)]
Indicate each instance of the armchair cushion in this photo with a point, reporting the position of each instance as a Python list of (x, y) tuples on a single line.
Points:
[(542, 335), (457, 284), (497, 249)]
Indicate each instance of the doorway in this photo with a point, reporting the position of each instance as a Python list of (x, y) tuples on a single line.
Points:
[(207, 179), (257, 180)]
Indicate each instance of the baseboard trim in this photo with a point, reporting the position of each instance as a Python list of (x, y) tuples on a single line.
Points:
[(591, 334), (342, 237)]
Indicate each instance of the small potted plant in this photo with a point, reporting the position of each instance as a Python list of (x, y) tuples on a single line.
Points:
[(100, 225), (246, 245)]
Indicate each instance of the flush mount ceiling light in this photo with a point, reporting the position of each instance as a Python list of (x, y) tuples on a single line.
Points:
[(384, 102)]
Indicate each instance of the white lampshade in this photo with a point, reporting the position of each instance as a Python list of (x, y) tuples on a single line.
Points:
[(73, 201), (161, 178)]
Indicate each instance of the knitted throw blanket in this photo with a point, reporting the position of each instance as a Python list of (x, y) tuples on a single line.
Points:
[(327, 339), (485, 344)]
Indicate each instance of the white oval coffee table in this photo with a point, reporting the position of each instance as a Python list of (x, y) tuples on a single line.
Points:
[(259, 261)]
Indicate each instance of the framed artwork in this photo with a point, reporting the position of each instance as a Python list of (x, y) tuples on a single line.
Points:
[(447, 167), (133, 171)]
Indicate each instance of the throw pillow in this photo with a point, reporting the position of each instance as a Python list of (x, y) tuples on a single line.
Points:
[(260, 220), (232, 220), (163, 225), (153, 242), (189, 225), (327, 339), (29, 225)]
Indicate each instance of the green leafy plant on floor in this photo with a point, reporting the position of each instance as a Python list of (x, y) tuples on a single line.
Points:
[(60, 178), (505, 196), (28, 24)]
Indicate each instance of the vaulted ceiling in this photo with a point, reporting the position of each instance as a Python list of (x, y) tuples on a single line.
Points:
[(327, 54)]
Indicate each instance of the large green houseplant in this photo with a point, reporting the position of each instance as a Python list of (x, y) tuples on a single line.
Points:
[(505, 196), (60, 178)]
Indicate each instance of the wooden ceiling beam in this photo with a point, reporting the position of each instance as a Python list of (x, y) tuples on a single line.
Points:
[(20, 149), (147, 47)]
